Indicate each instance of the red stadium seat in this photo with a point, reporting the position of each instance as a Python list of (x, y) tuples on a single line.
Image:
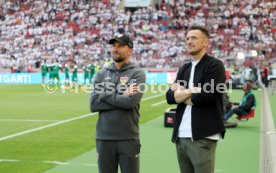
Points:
[(247, 116)]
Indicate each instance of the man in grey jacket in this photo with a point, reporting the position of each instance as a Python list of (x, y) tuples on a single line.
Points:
[(117, 92)]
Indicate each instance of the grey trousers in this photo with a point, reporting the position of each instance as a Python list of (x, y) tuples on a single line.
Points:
[(196, 156), (114, 153)]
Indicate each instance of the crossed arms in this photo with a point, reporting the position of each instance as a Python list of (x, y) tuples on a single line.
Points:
[(104, 101), (182, 95)]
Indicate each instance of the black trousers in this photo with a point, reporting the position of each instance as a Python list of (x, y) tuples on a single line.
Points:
[(114, 153)]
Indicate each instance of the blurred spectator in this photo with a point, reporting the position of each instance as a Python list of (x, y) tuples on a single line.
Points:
[(79, 31)]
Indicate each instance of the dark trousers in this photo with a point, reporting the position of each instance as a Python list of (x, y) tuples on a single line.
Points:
[(196, 156), (265, 81), (114, 153), (237, 111)]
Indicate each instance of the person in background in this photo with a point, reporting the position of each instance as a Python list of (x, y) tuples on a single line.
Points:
[(75, 74), (247, 103), (265, 74), (85, 74), (66, 72), (91, 68), (54, 71), (44, 71)]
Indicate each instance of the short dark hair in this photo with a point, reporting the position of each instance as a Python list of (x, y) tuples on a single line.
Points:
[(202, 29), (248, 86)]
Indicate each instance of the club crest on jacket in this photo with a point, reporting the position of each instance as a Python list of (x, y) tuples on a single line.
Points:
[(123, 80)]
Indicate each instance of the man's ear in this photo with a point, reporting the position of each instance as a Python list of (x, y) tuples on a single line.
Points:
[(206, 42), (130, 51)]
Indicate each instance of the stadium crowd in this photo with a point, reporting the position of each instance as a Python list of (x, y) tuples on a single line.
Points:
[(32, 31)]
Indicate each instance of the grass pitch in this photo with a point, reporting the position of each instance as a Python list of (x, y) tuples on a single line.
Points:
[(28, 107)]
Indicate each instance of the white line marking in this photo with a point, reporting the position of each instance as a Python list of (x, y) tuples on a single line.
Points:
[(9, 160), (56, 162), (46, 126), (271, 132), (159, 103), (22, 120), (151, 97), (69, 163), (49, 162), (60, 122)]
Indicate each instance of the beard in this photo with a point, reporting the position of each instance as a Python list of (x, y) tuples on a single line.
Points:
[(118, 59)]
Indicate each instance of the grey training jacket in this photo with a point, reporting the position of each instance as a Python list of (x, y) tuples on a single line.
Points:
[(118, 114)]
